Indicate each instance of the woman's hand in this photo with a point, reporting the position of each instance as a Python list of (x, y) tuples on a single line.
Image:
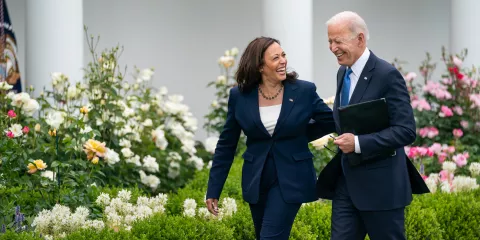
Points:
[(212, 205)]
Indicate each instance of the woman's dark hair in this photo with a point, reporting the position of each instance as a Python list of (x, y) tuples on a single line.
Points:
[(248, 74)]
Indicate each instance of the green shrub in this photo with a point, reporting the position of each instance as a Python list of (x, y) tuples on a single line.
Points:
[(9, 235), (241, 222), (318, 216), (179, 227), (105, 234), (457, 213), (422, 223)]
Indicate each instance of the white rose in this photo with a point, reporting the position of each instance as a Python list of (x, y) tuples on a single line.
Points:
[(146, 74), (163, 91), (16, 129), (211, 144), (111, 157), (30, 107), (55, 119), (145, 107), (127, 153)]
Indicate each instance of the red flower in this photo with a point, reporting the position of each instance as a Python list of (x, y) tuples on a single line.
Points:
[(11, 114), (25, 130), (10, 134)]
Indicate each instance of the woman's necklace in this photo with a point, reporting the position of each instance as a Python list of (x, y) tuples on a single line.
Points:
[(272, 97)]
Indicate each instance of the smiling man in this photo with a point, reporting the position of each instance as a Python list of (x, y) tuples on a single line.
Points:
[(369, 194)]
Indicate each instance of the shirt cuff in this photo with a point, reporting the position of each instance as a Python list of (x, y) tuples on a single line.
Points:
[(357, 145)]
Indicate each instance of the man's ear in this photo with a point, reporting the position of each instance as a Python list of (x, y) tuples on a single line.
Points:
[(361, 39)]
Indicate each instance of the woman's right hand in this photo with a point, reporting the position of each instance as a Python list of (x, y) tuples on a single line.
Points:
[(212, 205)]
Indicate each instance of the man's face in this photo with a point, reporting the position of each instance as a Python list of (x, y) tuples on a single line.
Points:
[(346, 46)]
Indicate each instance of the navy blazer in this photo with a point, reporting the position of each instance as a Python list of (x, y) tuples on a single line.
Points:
[(379, 182), (288, 144)]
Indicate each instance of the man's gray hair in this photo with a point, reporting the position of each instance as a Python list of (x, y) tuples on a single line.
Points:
[(356, 24)]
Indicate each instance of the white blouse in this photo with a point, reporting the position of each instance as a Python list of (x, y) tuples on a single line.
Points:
[(269, 116)]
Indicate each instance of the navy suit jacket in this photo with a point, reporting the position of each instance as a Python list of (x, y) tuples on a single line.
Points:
[(379, 182), (288, 144)]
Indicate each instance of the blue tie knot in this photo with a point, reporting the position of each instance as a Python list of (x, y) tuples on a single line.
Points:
[(346, 88)]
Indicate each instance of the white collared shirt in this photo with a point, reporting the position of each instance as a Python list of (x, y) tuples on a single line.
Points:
[(357, 69)]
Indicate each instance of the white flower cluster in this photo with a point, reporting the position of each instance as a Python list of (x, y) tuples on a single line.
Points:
[(474, 169), (55, 118), (211, 144), (150, 164), (5, 86), (23, 101), (447, 182), (59, 81), (158, 136), (149, 180), (449, 166), (174, 164), (189, 207), (185, 137), (111, 157), (60, 221), (197, 162), (227, 208), (121, 214), (464, 183)]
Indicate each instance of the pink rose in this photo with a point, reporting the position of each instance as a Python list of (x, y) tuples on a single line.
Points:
[(11, 114), (460, 159), (421, 105), (410, 76), (432, 132), (464, 124), (25, 130), (447, 81), (445, 176), (457, 133), (445, 112), (458, 110), (10, 134), (457, 62), (436, 148), (442, 157)]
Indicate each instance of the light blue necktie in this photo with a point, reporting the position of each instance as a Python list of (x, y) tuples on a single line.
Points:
[(344, 102), (345, 88)]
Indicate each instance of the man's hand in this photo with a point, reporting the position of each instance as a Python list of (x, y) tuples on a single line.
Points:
[(212, 205), (346, 142)]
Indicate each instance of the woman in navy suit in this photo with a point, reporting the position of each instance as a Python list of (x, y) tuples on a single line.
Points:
[(273, 109)]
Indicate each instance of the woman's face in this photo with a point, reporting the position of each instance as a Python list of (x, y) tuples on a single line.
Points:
[(275, 64)]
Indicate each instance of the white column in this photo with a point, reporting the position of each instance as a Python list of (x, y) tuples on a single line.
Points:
[(291, 22), (55, 41), (464, 30)]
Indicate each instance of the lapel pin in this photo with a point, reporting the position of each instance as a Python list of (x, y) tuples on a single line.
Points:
[(365, 78), (291, 100)]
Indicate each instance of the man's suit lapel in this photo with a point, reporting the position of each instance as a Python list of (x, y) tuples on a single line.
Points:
[(363, 80), (289, 96), (336, 104), (252, 100)]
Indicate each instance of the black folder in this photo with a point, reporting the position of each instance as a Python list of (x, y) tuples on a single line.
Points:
[(365, 117), (369, 117)]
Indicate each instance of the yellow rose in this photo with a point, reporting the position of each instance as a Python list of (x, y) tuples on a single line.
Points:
[(93, 147), (53, 132), (84, 110), (95, 160), (40, 164), (31, 168), (37, 127)]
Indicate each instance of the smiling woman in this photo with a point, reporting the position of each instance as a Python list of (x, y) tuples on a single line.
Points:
[(273, 109)]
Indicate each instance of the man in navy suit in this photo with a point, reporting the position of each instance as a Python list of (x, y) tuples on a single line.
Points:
[(370, 193)]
